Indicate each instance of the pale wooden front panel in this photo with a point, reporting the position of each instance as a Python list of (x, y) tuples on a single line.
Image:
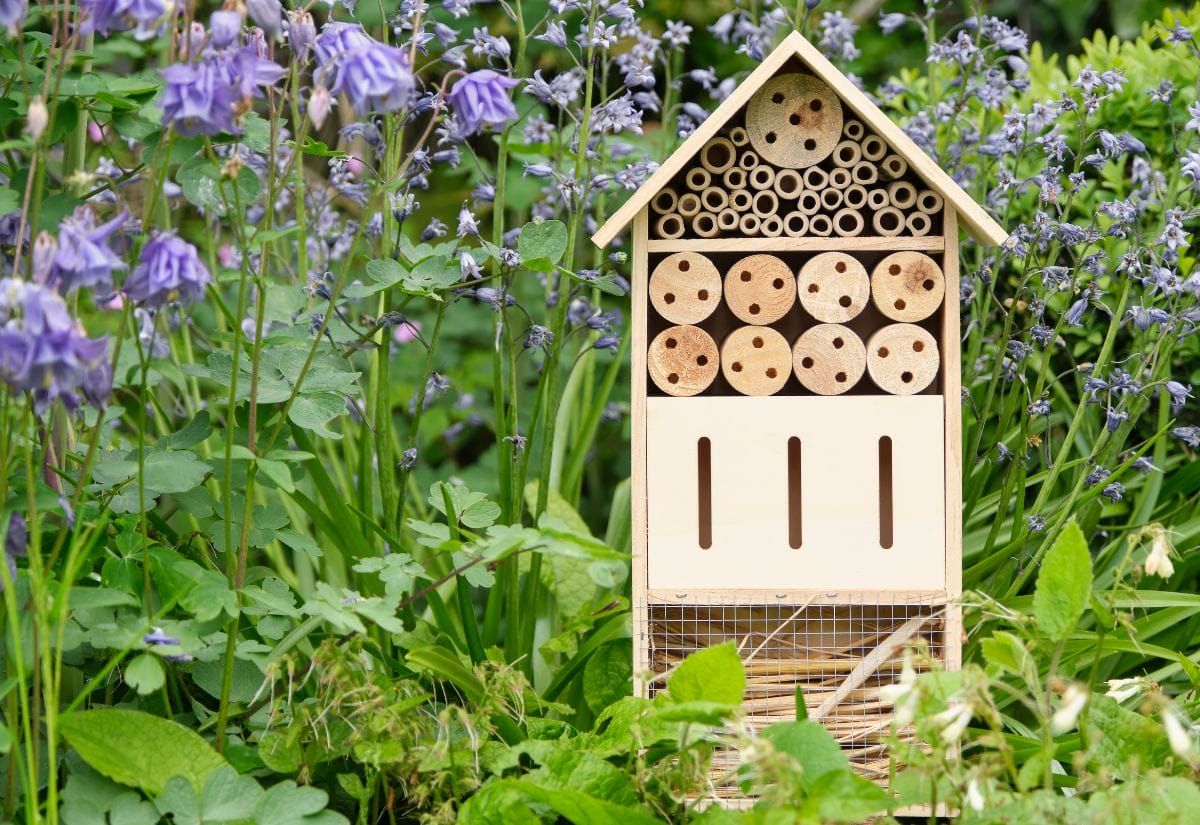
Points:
[(840, 548)]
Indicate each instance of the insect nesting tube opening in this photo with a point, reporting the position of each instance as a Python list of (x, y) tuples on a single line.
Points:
[(738, 136), (888, 221), (809, 202), (740, 199), (847, 153), (718, 155), (714, 198), (877, 198), (689, 205), (670, 227), (666, 200), (771, 226), (765, 203), (820, 225), (893, 166), (865, 172), (918, 223), (748, 224), (853, 130), (873, 148), (929, 202), (815, 178), (788, 183), (848, 223), (855, 196), (698, 179), (831, 199), (734, 178), (840, 178), (705, 225), (795, 225), (727, 220)]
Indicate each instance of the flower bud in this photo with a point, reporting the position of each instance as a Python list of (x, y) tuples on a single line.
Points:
[(224, 27), (37, 117), (301, 32), (45, 248), (319, 104)]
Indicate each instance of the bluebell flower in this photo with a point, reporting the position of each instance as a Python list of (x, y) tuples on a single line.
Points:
[(15, 542), (108, 16), (157, 638), (607, 342), (83, 257), (1040, 407), (169, 270), (481, 99), (1145, 317), (408, 460), (375, 77), (301, 33), (1036, 523), (224, 28), (891, 21), (1179, 393), (267, 15), (1097, 475), (1114, 418), (539, 337), (1114, 491), (1188, 435), (12, 15), (204, 97)]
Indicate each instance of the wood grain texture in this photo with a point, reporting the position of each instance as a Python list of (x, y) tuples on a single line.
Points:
[(682, 360), (760, 289), (951, 390), (756, 360), (639, 278), (794, 120), (685, 288), (829, 359), (833, 287), (903, 359), (933, 243), (907, 286)]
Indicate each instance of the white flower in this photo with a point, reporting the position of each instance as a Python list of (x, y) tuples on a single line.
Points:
[(1158, 562), (1122, 689), (36, 118), (1183, 744), (974, 798), (954, 721), (1073, 700), (901, 694)]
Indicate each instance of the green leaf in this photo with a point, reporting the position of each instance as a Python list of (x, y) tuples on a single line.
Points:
[(174, 471), (138, 749), (1064, 584), (397, 571), (278, 472), (191, 434), (313, 412), (446, 665), (204, 185), (1126, 743), (228, 797), (542, 241), (145, 674), (843, 796), (10, 200), (714, 674), (580, 808), (290, 804), (607, 674), (810, 744)]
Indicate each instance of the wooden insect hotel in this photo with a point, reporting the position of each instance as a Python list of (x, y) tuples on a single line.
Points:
[(796, 400)]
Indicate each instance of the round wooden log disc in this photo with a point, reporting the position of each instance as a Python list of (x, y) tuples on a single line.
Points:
[(908, 286), (829, 359), (685, 288), (794, 120), (683, 360), (834, 287), (902, 359), (760, 289), (756, 360)]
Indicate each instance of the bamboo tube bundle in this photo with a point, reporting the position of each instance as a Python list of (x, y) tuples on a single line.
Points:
[(762, 177), (831, 199), (864, 172), (809, 202), (907, 286), (749, 223), (665, 200), (847, 153), (820, 225), (929, 202), (685, 288), (795, 224), (765, 203), (682, 360), (873, 148), (740, 200), (794, 120), (698, 179), (855, 196), (670, 227), (877, 198), (893, 166), (840, 178), (689, 205), (902, 195), (788, 183), (727, 220), (888, 221), (718, 155), (853, 130), (714, 199), (918, 224), (829, 359), (833, 287), (756, 360), (738, 136), (747, 160), (815, 178), (760, 289), (848, 223), (734, 178), (902, 358), (771, 226), (704, 225)]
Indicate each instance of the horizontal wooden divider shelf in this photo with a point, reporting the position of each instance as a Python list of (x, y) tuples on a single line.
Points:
[(861, 243), (759, 596)]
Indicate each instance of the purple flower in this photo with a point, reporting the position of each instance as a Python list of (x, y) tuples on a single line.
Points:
[(204, 97), (12, 15), (168, 270), (107, 16), (301, 33), (373, 76), (268, 15), (224, 27), (83, 258), (481, 99), (15, 541)]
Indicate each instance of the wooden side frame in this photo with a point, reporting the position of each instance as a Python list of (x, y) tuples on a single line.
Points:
[(952, 394), (639, 278)]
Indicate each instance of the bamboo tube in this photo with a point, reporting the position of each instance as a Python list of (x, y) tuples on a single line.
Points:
[(831, 199), (689, 204), (685, 288), (735, 178), (907, 286), (848, 223), (749, 223), (840, 178), (718, 155), (820, 225), (794, 120), (698, 179), (666, 200), (829, 359), (760, 289), (864, 172), (771, 226), (902, 359), (919, 224), (765, 203), (756, 360), (788, 183), (795, 225), (929, 202), (855, 196), (682, 360), (888, 221), (704, 225), (833, 287), (815, 178), (670, 227), (893, 166), (853, 130), (762, 177), (747, 160), (902, 194), (727, 220), (738, 136), (877, 198), (873, 148), (809, 202), (714, 199), (741, 199), (847, 153)]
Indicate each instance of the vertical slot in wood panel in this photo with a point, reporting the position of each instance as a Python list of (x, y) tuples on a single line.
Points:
[(885, 492), (795, 500), (704, 476)]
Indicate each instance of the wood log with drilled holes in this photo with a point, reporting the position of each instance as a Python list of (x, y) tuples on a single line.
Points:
[(902, 358), (760, 289), (756, 360), (682, 360), (685, 288), (908, 286), (829, 359), (833, 287), (794, 120)]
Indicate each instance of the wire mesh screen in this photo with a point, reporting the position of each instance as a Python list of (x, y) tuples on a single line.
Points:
[(840, 654)]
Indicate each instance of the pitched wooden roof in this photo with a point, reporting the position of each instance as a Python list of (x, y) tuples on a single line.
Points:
[(979, 224)]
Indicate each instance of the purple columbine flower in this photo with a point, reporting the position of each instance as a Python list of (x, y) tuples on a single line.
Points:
[(84, 258), (107, 16), (373, 76), (301, 33), (481, 99), (12, 15), (15, 541), (169, 270), (43, 350)]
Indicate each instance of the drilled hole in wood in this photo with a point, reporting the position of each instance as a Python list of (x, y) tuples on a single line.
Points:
[(669, 298), (771, 137), (702, 360), (883, 352), (704, 499), (928, 284), (806, 363), (840, 378), (838, 343), (815, 105), (794, 119), (673, 378), (840, 266), (894, 269), (702, 295), (906, 377), (758, 342), (755, 309), (777, 98), (845, 301), (746, 276), (814, 288), (900, 304), (736, 366), (777, 283), (671, 343), (685, 265), (918, 346), (771, 373), (795, 522), (885, 493), (810, 145)]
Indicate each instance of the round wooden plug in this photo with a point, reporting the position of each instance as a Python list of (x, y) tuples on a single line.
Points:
[(834, 287), (829, 359), (682, 360), (794, 120), (685, 288), (908, 286), (902, 359), (756, 360), (760, 289)]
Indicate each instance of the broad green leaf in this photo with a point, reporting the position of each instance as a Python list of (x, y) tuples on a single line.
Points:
[(189, 435), (497, 803), (203, 184), (843, 796), (1125, 742), (278, 472), (542, 241), (567, 768), (10, 200), (174, 471), (714, 674), (290, 804), (145, 674), (1064, 584), (607, 674), (228, 797), (314, 412), (810, 744), (139, 749), (397, 571)]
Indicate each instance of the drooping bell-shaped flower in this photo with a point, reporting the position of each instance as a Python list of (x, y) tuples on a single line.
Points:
[(169, 270), (481, 99), (84, 258), (375, 77)]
